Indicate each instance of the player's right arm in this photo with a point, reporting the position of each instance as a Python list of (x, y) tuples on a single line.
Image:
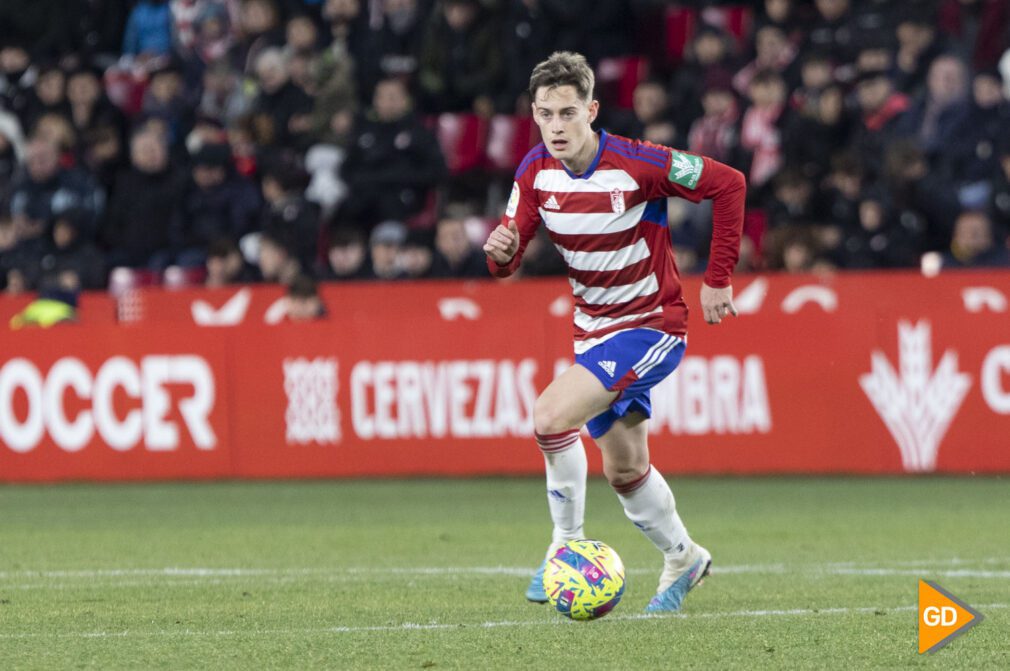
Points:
[(507, 242)]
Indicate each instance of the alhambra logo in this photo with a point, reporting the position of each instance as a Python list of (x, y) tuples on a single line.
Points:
[(916, 402)]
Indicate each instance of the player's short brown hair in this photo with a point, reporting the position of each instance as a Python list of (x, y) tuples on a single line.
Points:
[(564, 68)]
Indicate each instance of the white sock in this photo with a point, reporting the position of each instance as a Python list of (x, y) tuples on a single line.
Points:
[(648, 503), (565, 462)]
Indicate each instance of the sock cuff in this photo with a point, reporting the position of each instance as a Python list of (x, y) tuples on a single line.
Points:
[(556, 442), (637, 483)]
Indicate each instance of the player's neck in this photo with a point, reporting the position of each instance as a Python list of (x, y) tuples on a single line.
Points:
[(580, 163)]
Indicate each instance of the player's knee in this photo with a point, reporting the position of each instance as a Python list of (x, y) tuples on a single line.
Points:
[(624, 476), (548, 419)]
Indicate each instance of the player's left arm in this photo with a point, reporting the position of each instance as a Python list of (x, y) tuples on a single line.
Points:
[(698, 178)]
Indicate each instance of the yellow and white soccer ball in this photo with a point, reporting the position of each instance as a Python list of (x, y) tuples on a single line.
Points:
[(584, 579)]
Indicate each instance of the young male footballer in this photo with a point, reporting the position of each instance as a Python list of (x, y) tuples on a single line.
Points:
[(603, 200)]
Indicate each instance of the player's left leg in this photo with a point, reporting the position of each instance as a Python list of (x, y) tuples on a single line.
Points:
[(649, 504)]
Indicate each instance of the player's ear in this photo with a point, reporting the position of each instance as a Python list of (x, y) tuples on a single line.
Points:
[(594, 110)]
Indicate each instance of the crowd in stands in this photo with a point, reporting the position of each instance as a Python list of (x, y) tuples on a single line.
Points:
[(225, 141)]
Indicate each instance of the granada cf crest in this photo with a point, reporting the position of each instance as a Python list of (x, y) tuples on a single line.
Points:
[(617, 201)]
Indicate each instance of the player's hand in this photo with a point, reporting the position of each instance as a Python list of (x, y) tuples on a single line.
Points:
[(717, 303), (503, 243)]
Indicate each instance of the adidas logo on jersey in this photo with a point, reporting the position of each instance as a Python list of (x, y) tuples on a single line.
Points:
[(609, 366), (552, 203)]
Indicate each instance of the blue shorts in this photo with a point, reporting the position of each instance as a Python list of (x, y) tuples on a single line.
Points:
[(631, 363)]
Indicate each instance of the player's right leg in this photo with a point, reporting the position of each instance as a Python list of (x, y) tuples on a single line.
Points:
[(558, 415), (650, 505)]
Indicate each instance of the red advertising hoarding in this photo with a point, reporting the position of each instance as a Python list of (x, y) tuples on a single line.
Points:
[(875, 373)]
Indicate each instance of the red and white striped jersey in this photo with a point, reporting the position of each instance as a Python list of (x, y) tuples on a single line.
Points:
[(610, 225)]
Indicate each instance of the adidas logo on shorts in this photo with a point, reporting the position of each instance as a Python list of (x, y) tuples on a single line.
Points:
[(609, 366), (552, 204)]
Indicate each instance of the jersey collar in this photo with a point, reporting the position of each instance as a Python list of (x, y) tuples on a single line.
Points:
[(596, 160)]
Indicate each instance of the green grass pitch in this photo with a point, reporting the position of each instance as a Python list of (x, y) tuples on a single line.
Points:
[(809, 573)]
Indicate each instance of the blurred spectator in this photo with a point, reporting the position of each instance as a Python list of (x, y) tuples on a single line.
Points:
[(760, 128), (259, 29), (833, 30), (461, 65), (226, 266), (707, 56), (812, 136), (166, 99), (216, 203), (347, 256), (276, 260), (841, 190), (384, 246), (918, 45), (149, 29), (212, 37), (45, 190), (783, 14), (938, 119), (880, 111), (224, 98), (879, 240), (793, 249), (975, 156), (416, 255), (816, 74), (90, 108), (974, 245), (48, 95), (102, 153), (925, 202), (456, 255), (19, 258), (244, 151), (303, 301), (137, 228), (281, 110), (72, 256), (336, 95), (716, 133), (792, 198), (288, 211), (393, 161), (774, 53), (650, 118)]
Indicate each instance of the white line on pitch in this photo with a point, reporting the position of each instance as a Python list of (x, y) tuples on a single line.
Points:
[(415, 626), (199, 573)]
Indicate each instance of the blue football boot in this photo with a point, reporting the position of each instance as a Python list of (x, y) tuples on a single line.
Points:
[(535, 592), (677, 581)]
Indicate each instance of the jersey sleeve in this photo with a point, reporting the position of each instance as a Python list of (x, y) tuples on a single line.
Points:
[(522, 208), (695, 178)]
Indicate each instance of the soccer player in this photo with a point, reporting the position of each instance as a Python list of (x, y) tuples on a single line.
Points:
[(603, 200)]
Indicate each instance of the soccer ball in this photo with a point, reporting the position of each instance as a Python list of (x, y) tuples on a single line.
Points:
[(584, 579)]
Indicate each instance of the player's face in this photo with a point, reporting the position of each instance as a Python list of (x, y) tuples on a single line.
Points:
[(565, 123)]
